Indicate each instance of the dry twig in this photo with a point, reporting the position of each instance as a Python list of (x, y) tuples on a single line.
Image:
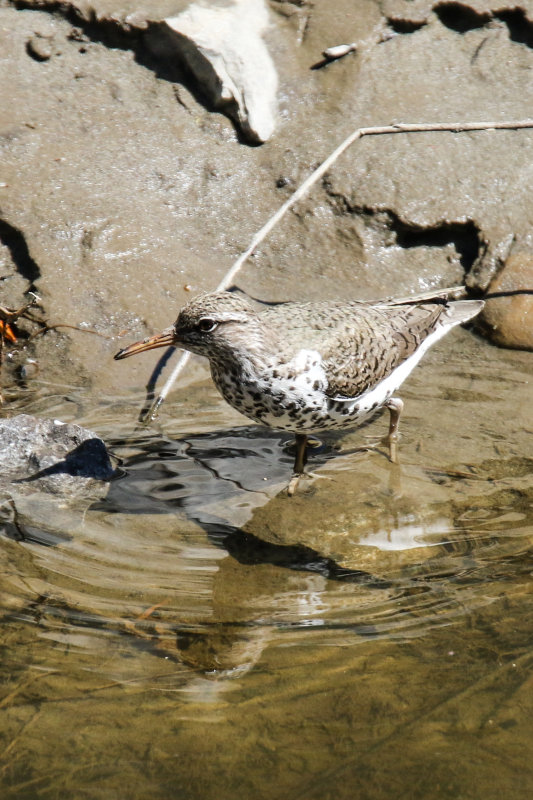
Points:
[(56, 325)]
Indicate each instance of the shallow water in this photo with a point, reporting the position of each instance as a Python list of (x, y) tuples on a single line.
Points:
[(195, 633)]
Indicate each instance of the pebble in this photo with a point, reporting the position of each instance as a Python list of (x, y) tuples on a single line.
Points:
[(40, 47)]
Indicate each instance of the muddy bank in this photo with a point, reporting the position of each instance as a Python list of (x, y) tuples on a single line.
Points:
[(123, 191)]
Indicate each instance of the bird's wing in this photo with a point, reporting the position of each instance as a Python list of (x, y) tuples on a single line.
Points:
[(432, 295), (371, 346)]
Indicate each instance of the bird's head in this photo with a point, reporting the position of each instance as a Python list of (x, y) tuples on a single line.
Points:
[(210, 325)]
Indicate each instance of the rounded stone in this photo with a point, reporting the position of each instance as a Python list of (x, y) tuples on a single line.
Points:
[(508, 321)]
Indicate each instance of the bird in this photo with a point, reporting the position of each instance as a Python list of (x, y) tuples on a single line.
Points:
[(306, 367)]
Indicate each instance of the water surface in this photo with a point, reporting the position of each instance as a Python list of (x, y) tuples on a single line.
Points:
[(192, 632)]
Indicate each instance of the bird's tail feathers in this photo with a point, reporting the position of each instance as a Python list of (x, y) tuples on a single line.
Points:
[(462, 310)]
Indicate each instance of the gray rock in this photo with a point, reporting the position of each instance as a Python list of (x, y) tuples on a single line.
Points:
[(51, 456), (223, 47)]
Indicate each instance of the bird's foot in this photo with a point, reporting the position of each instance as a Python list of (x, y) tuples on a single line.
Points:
[(392, 442), (298, 476), (372, 444), (293, 483), (388, 446), (367, 447)]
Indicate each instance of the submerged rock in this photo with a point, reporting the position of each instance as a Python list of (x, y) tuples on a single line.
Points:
[(51, 456)]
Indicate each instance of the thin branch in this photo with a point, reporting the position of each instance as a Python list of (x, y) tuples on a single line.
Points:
[(54, 327), (6, 700), (400, 127), (13, 743)]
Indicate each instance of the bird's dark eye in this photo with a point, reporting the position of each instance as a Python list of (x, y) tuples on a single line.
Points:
[(206, 325)]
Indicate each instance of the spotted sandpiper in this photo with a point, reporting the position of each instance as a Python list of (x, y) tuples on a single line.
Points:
[(304, 367)]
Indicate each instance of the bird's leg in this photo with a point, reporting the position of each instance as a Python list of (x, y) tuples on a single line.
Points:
[(301, 453), (299, 462), (395, 406)]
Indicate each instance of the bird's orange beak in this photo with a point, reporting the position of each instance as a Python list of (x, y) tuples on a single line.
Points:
[(164, 339)]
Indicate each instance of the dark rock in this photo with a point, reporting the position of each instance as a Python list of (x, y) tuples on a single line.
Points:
[(51, 456)]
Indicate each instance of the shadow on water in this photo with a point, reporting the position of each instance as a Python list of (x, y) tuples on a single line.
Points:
[(241, 467), (84, 461)]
